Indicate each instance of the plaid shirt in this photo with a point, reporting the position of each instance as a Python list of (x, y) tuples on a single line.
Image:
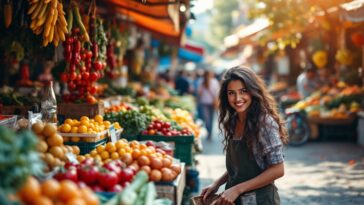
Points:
[(268, 150)]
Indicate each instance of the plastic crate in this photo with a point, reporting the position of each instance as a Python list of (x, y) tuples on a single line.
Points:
[(8, 120), (87, 147), (183, 145)]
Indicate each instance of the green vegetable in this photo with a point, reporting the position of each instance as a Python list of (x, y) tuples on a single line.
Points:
[(130, 193), (151, 194), (18, 159)]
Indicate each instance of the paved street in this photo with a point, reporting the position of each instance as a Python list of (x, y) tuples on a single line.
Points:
[(318, 173)]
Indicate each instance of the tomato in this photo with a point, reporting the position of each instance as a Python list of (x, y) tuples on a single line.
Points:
[(93, 90), (72, 75), (111, 166), (77, 46), (108, 179), (88, 174), (64, 77), (158, 126), (167, 124), (70, 165), (94, 76), (97, 65), (72, 68), (82, 69), (85, 75), (89, 54), (71, 86), (150, 143), (126, 175), (70, 174)]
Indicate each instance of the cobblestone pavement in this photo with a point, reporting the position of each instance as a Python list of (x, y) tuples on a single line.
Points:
[(317, 173)]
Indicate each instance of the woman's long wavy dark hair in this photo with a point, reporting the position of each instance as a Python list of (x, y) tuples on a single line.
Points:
[(263, 105)]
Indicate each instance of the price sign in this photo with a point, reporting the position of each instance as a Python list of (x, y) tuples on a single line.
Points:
[(71, 157), (112, 134)]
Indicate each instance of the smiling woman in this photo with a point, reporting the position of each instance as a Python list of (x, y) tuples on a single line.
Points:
[(254, 136)]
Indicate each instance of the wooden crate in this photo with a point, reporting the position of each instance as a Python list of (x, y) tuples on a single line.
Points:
[(75, 111), (15, 110), (173, 190)]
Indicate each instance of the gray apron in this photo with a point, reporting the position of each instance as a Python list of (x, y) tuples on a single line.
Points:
[(241, 167)]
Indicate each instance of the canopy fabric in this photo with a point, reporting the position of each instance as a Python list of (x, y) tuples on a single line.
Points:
[(353, 11), (160, 17)]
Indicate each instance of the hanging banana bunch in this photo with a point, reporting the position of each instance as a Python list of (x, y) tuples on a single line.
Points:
[(48, 19)]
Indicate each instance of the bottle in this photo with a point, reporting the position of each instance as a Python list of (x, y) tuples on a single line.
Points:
[(49, 104)]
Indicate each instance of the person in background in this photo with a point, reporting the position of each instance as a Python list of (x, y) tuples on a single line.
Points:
[(308, 81), (254, 135), (207, 96), (182, 84), (46, 75)]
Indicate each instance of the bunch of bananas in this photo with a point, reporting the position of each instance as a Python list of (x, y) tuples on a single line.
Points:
[(48, 17)]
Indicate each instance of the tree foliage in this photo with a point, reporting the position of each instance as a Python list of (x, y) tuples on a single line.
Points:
[(221, 24)]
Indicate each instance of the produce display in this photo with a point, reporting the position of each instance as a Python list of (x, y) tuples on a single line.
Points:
[(95, 128), (138, 156), (337, 102), (158, 127), (132, 121), (112, 176), (184, 119), (50, 145), (54, 192), (18, 159)]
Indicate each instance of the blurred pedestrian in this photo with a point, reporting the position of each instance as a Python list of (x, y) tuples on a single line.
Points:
[(308, 81), (207, 98), (254, 136), (182, 85)]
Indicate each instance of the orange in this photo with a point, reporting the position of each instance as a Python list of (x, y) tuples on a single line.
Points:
[(107, 123), (115, 156), (42, 200), (49, 130), (85, 123), (75, 150), (55, 140), (99, 118), (121, 151), (75, 139), (56, 151), (76, 201), (119, 144), (110, 147), (69, 121), (50, 188), (100, 149), (93, 153), (89, 197), (68, 191), (80, 158), (105, 155), (30, 190), (136, 154), (82, 129), (84, 118), (74, 130)]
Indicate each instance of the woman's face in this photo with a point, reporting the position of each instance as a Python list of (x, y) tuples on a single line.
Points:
[(238, 96)]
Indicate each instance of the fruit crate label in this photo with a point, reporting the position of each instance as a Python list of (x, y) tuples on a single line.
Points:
[(112, 134), (71, 157)]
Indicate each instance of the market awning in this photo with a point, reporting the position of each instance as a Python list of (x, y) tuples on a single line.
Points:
[(353, 11), (161, 17), (192, 52), (245, 32)]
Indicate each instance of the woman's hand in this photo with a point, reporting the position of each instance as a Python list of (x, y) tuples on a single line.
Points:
[(229, 196), (207, 191)]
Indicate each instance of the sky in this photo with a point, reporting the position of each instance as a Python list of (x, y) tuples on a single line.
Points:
[(201, 5)]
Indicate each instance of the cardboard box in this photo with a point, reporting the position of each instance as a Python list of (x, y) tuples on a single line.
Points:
[(173, 190), (75, 111)]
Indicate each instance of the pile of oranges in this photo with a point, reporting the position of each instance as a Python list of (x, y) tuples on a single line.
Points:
[(86, 126), (54, 192), (50, 145), (139, 156)]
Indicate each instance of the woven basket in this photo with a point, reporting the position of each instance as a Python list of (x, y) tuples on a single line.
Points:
[(198, 200)]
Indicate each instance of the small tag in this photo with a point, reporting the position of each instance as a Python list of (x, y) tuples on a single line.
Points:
[(112, 134), (71, 157)]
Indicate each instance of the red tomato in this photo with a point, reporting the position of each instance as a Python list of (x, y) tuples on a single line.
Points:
[(126, 175), (64, 77), (70, 174), (108, 179), (97, 65), (88, 174), (85, 75)]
